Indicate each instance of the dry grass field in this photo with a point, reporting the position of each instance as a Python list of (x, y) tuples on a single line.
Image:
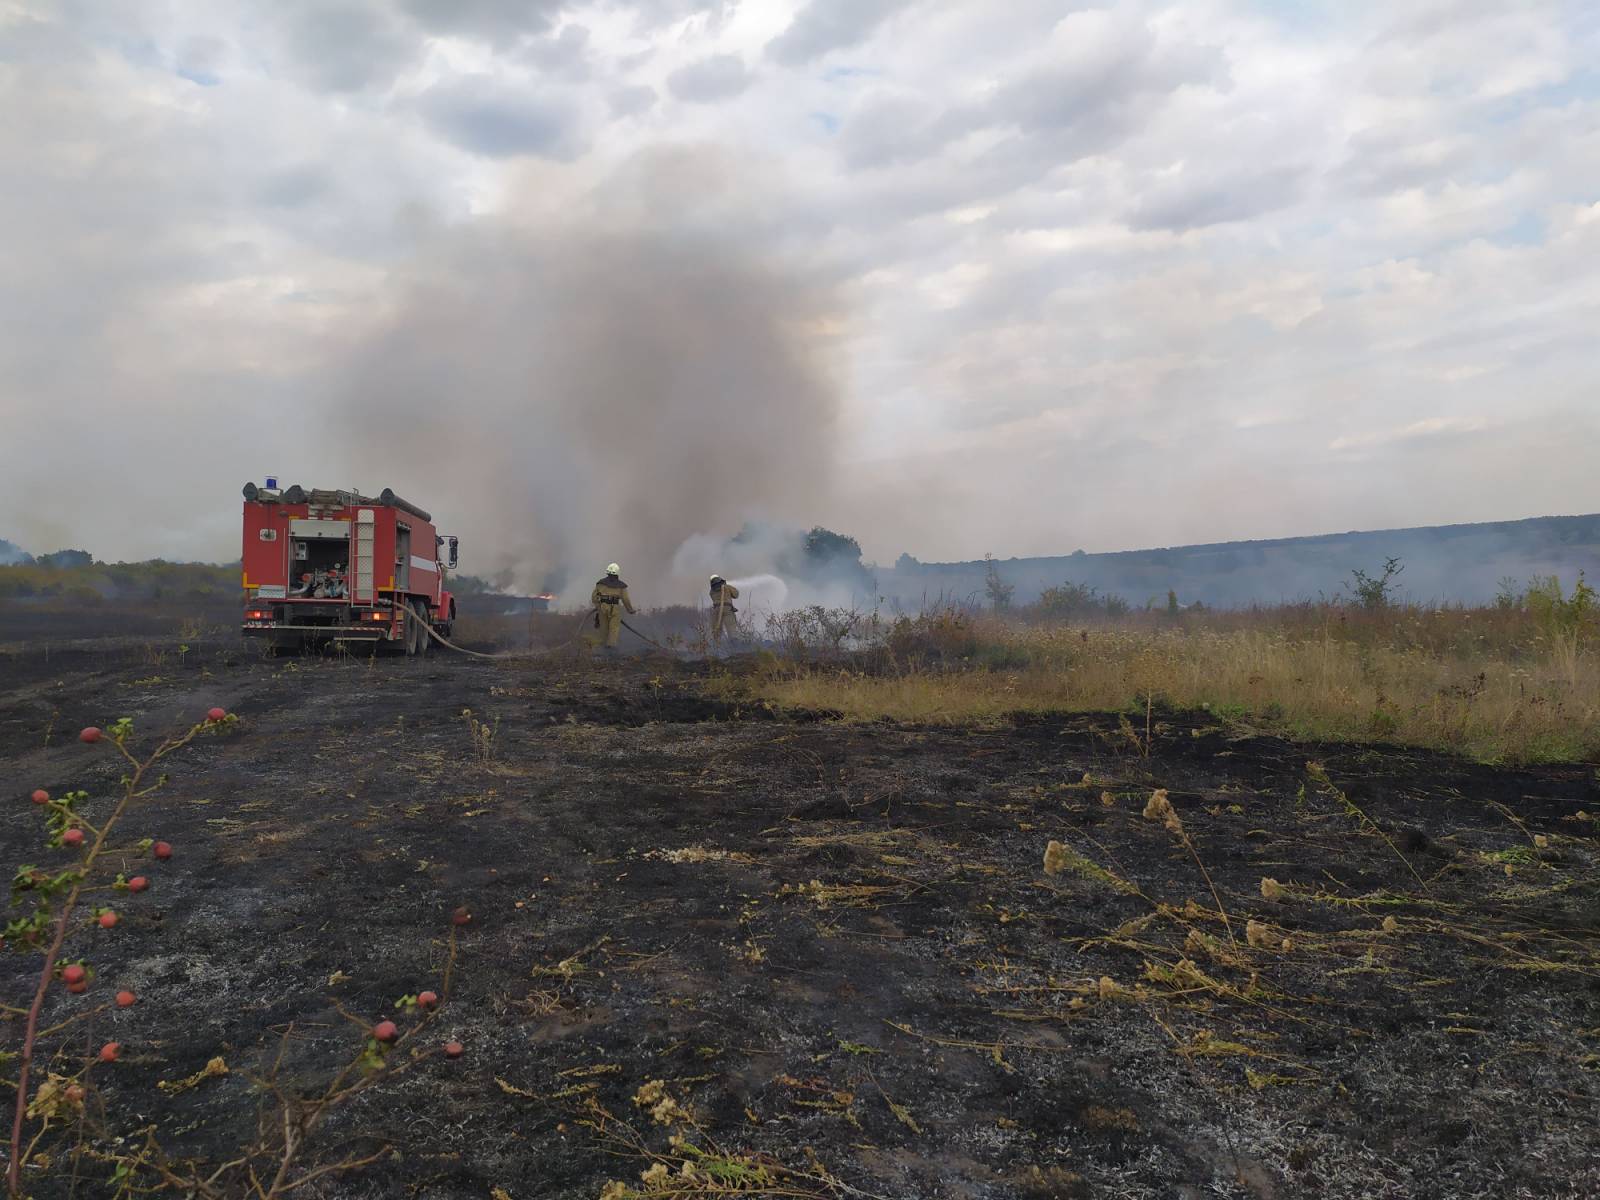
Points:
[(1513, 684)]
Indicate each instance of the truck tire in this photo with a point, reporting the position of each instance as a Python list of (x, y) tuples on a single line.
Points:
[(408, 634), (422, 628)]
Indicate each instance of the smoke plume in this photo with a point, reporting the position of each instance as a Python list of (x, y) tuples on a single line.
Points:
[(566, 389), (774, 569)]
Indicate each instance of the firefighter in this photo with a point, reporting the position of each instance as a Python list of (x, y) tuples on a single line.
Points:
[(610, 596), (724, 616)]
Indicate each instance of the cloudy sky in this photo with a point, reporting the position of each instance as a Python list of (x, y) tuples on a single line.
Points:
[(1015, 277)]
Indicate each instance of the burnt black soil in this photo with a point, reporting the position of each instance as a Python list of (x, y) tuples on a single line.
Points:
[(835, 945)]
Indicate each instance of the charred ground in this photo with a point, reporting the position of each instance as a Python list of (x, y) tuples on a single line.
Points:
[(835, 945)]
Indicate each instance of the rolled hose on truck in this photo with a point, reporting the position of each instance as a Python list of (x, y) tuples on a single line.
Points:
[(444, 641)]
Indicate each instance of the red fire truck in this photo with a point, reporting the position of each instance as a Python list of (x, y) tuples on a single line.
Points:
[(335, 567)]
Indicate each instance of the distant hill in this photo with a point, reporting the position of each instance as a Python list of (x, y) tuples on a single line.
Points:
[(1443, 563)]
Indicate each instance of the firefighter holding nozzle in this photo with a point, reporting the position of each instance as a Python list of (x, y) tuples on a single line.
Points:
[(724, 616), (610, 597)]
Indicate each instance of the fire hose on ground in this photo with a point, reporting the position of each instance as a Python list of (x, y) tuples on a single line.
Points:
[(444, 641)]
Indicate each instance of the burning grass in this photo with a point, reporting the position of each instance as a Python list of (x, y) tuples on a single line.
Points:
[(1485, 683)]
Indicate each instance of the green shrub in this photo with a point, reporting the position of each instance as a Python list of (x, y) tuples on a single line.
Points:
[(1077, 601), (1558, 615)]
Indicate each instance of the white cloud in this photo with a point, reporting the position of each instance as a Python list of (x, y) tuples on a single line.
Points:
[(1432, 427), (822, 26)]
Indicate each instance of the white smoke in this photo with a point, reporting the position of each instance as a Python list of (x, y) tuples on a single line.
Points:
[(764, 593), (761, 561)]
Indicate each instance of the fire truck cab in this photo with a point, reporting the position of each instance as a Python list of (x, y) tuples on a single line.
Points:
[(328, 567)]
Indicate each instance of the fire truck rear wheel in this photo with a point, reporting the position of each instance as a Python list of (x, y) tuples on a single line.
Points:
[(414, 634)]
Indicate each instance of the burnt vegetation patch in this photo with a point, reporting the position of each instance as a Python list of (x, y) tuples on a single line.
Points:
[(711, 948)]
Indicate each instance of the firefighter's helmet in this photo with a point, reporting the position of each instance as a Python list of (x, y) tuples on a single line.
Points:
[(613, 569)]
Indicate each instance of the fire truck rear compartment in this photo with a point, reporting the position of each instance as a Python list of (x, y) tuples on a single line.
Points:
[(333, 567), (319, 558)]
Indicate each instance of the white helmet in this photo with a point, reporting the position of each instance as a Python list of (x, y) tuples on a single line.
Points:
[(613, 569), (716, 579)]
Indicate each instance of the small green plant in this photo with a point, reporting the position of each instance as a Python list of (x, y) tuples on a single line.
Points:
[(1376, 592), (996, 588), (1383, 721), (1059, 858), (1518, 856)]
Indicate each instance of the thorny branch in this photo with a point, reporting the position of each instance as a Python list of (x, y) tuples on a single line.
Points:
[(130, 791)]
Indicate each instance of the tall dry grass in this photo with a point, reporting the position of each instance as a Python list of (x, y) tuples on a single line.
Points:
[(1489, 683)]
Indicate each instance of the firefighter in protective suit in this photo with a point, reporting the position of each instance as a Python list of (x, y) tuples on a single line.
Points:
[(724, 616), (610, 597)]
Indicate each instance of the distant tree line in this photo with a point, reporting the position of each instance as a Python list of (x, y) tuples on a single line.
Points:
[(13, 555)]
